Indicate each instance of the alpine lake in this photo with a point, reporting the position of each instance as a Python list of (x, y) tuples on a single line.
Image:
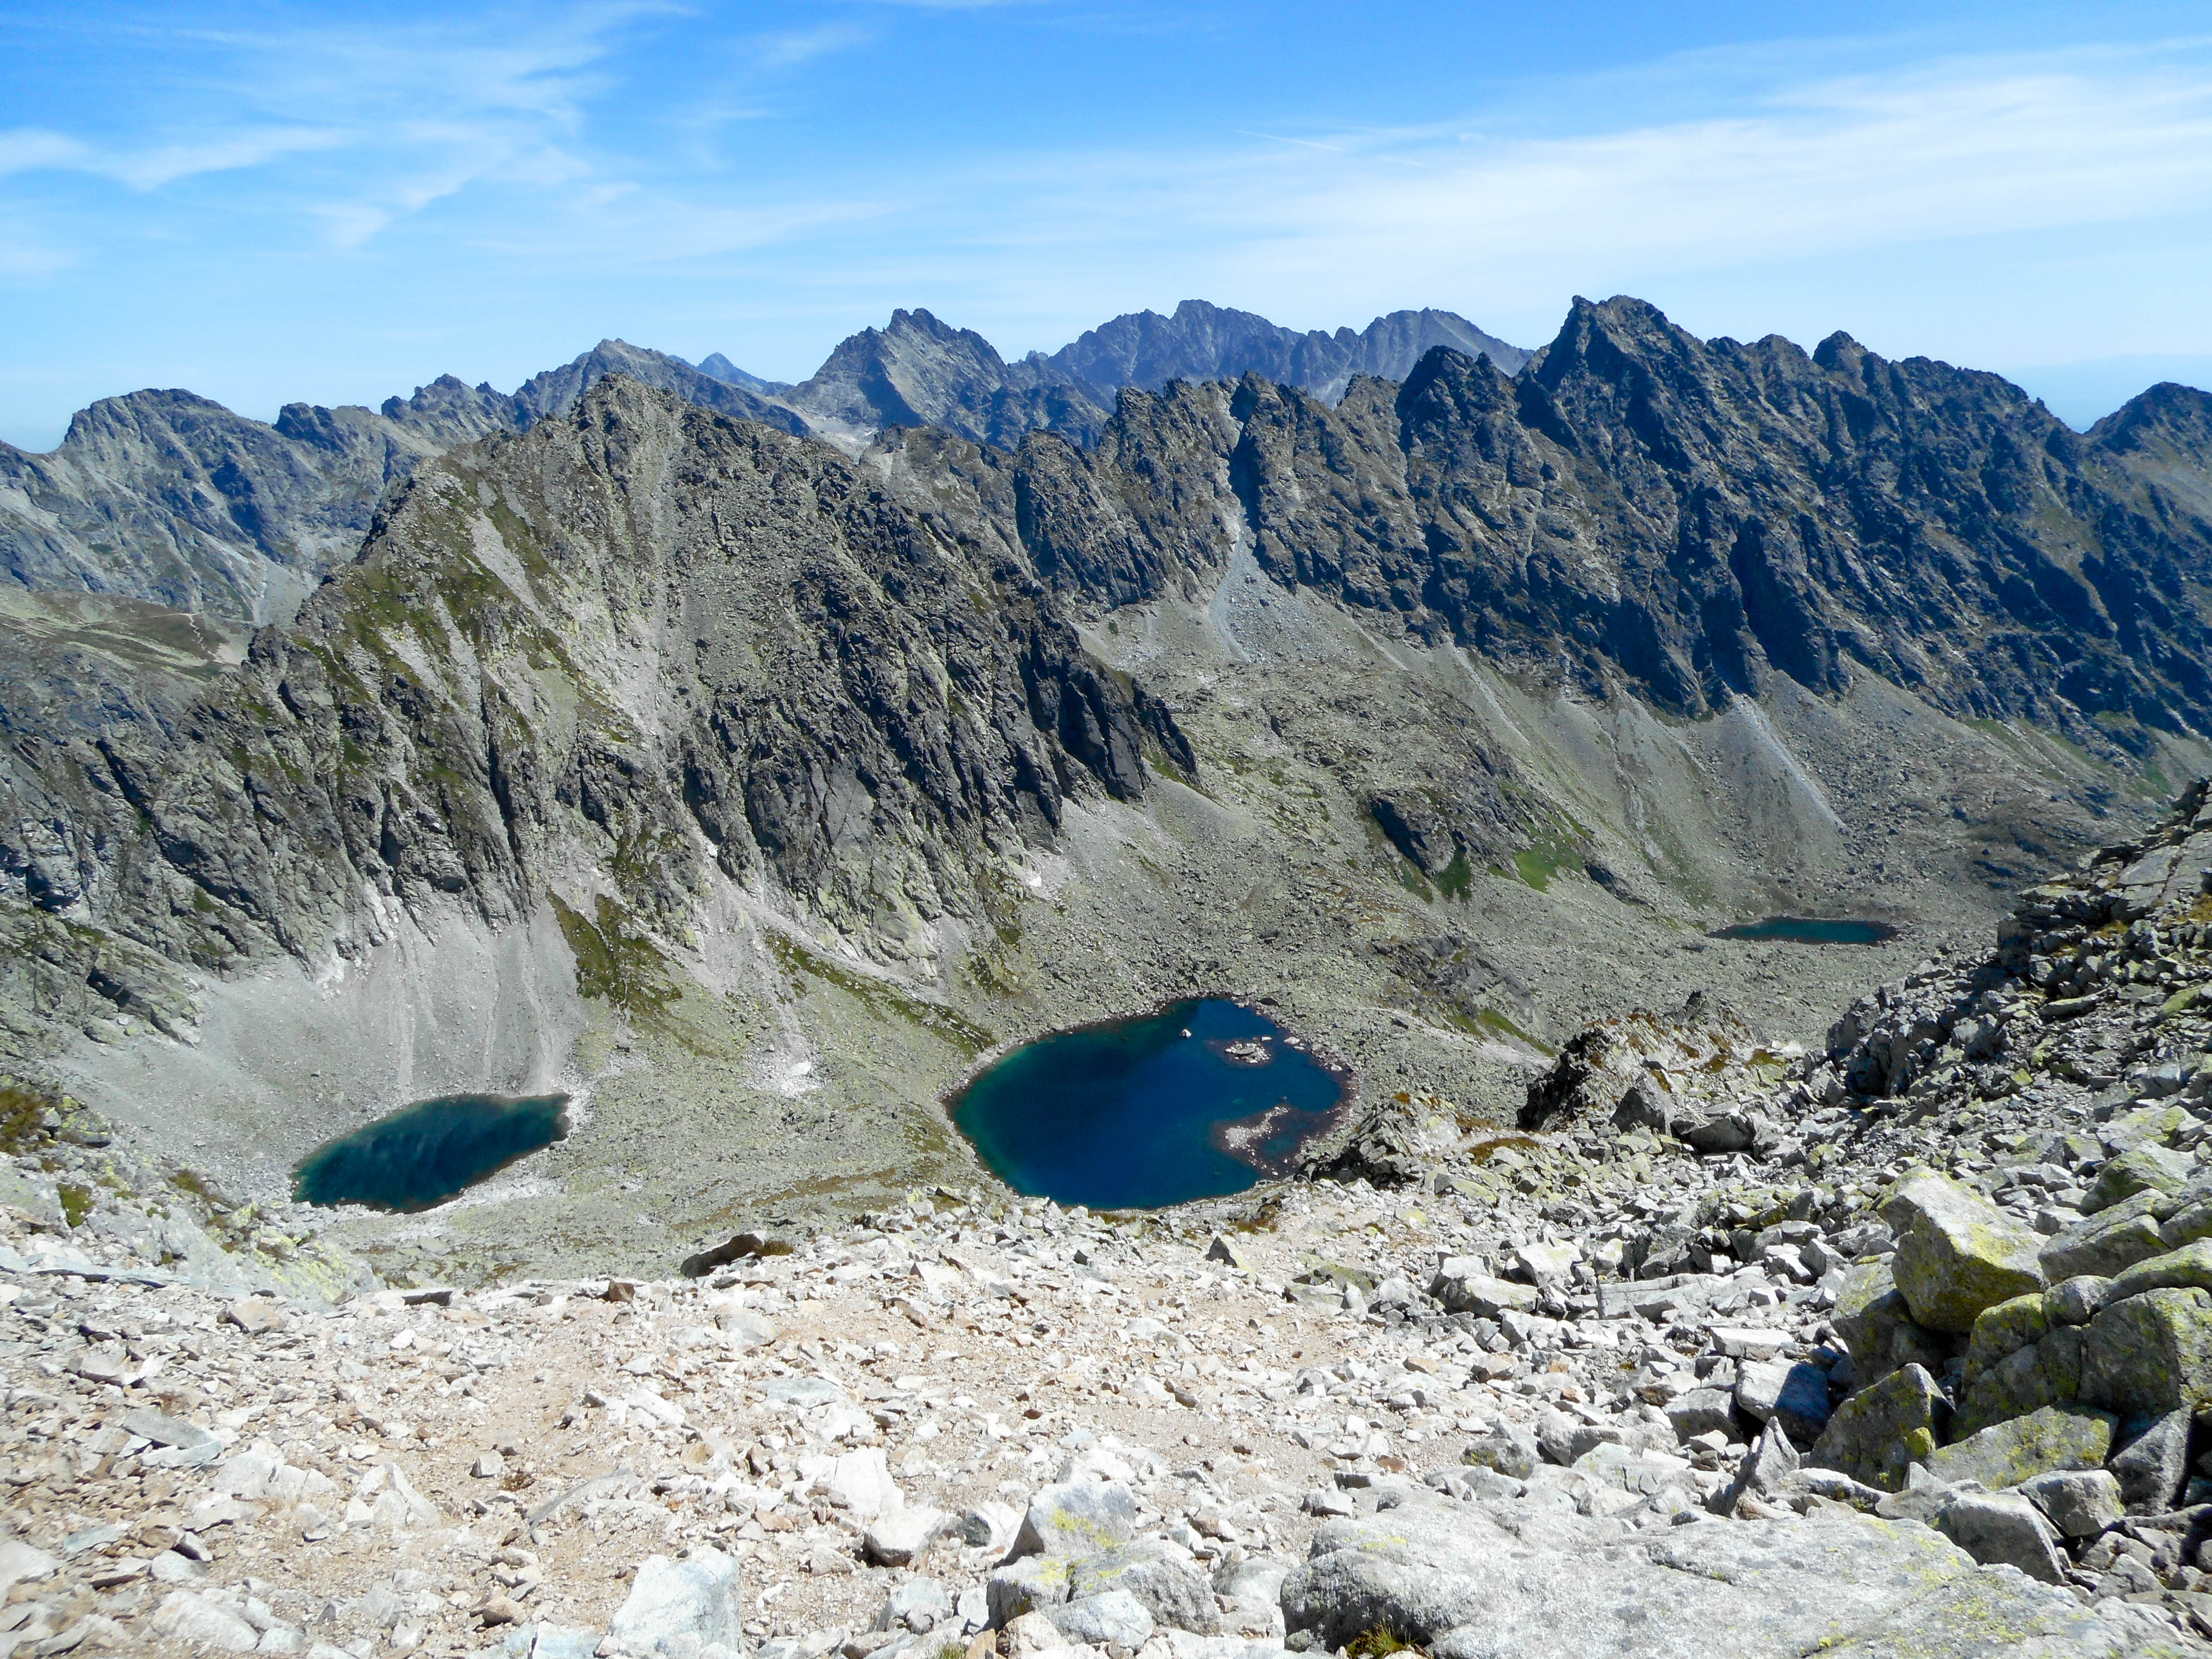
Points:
[(1809, 930), (426, 1153), (1197, 1099)]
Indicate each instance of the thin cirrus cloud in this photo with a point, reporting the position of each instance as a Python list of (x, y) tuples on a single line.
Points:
[(600, 169), (1968, 149)]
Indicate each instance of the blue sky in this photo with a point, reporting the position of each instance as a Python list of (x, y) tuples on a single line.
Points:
[(267, 201)]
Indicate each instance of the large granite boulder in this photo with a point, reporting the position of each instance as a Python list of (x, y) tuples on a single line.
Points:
[(1876, 1323), (2021, 1448), (2104, 1244), (2150, 1354), (1957, 1253), (1881, 1431), (1538, 1581)]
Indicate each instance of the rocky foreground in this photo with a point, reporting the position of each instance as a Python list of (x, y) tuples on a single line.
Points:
[(1902, 1348)]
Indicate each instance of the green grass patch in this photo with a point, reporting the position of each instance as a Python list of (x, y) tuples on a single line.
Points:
[(21, 1111), (1376, 1643), (615, 962), (1537, 865), (77, 1202), (882, 999), (1458, 876)]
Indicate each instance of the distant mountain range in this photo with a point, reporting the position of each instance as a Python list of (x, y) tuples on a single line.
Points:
[(168, 497)]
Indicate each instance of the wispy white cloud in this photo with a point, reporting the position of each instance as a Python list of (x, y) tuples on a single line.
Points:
[(1965, 148), (791, 48)]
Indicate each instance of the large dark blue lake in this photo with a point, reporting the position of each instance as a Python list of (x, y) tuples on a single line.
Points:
[(1199, 1099), (430, 1151), (1810, 930)]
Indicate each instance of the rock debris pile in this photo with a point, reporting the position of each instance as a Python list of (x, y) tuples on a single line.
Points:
[(1904, 1347)]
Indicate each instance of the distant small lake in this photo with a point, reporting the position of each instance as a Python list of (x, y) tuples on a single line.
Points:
[(430, 1151), (1199, 1099), (1809, 930)]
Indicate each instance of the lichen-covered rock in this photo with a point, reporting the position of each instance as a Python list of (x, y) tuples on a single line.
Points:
[(1077, 1518), (2021, 1448), (2139, 1169), (1876, 1324), (1881, 1431), (2107, 1242), (1166, 1584), (1957, 1253), (2187, 1268), (2149, 1354), (2005, 1329)]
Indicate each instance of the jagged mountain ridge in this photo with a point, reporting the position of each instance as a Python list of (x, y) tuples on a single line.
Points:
[(170, 497), (1643, 514), (1203, 342), (849, 747), (1691, 516), (919, 371)]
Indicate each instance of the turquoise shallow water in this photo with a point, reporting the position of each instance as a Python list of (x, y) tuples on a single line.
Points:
[(1199, 1099), (430, 1151), (1810, 930)]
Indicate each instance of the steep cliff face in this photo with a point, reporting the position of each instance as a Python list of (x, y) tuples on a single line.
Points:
[(1690, 518), (635, 643)]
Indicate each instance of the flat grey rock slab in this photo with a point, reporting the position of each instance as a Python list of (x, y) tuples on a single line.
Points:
[(1517, 1582)]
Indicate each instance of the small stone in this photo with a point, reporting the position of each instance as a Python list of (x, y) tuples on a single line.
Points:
[(2079, 1502), (1762, 1470), (257, 1316), (1077, 1517), (862, 1481), (1111, 1617), (2152, 1466), (988, 1526), (1226, 1250), (698, 1600), (1159, 1576), (1507, 1448), (1546, 1265), (920, 1605), (20, 1565), (1462, 1287), (191, 1620), (2005, 1529), (904, 1536), (1776, 1391), (1754, 1343), (1703, 1411), (488, 1466)]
